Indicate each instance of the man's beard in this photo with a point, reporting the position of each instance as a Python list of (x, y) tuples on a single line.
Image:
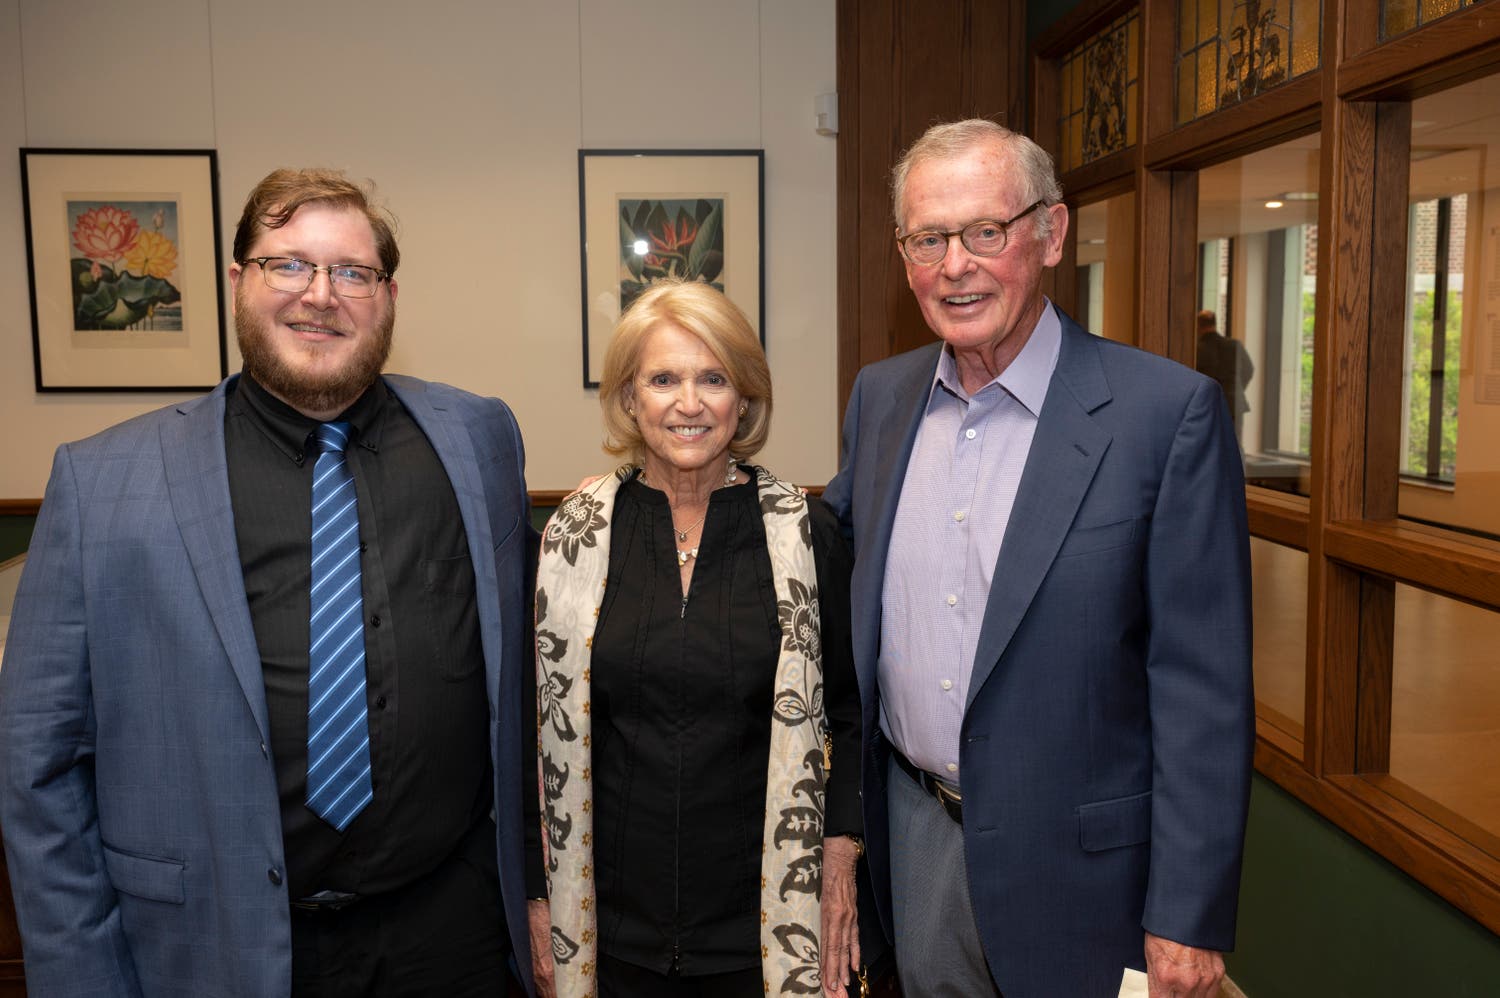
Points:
[(324, 392)]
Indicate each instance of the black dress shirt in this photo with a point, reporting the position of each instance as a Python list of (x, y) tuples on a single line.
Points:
[(681, 706), (428, 713)]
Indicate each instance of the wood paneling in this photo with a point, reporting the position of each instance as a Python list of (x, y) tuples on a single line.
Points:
[(1387, 308), (1262, 121), (901, 68), (1372, 740), (1444, 53)]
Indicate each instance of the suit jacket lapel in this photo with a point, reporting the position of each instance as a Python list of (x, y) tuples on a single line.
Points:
[(197, 475), (894, 433), (1065, 454), (451, 440)]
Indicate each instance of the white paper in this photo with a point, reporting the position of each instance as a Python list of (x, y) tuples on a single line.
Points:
[(1133, 984)]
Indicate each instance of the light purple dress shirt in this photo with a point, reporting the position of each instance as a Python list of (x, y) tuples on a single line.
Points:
[(956, 498)]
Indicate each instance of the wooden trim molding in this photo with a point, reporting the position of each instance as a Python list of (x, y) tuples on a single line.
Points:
[(1462, 46), (539, 497), (1262, 121), (1277, 517), (554, 497), (1442, 564)]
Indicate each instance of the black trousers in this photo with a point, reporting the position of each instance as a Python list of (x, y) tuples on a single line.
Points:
[(444, 934), (618, 979)]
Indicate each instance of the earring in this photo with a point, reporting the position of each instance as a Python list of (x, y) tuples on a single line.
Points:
[(743, 407), (631, 411)]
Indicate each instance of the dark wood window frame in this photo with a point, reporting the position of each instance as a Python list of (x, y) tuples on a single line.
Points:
[(1359, 101)]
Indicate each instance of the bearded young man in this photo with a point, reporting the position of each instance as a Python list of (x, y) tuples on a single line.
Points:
[(260, 720)]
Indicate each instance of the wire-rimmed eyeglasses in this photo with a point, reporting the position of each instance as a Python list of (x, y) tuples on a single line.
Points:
[(984, 237), (289, 274)]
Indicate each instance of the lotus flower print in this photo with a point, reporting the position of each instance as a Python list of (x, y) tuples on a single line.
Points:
[(125, 257), (106, 233), (153, 255)]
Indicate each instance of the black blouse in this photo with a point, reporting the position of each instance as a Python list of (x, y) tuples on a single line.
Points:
[(681, 707)]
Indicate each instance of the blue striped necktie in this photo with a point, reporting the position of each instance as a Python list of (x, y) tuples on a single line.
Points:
[(338, 735)]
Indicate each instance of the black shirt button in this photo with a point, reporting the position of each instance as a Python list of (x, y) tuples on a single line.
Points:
[(375, 620), (380, 703), (363, 547), (274, 875)]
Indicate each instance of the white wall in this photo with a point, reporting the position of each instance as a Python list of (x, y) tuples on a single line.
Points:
[(477, 109)]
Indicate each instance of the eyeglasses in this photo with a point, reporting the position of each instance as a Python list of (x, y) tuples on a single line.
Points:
[(348, 280), (986, 237)]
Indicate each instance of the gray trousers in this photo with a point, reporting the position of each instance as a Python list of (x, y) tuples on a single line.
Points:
[(937, 943)]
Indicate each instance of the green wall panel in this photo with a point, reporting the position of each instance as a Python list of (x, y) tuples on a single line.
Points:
[(1320, 914), (15, 535)]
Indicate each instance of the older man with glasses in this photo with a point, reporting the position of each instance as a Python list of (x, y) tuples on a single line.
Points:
[(260, 717), (1051, 615)]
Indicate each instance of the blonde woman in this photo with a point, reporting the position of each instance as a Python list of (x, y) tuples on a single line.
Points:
[(697, 705)]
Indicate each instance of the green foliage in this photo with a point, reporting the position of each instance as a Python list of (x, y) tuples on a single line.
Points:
[(681, 243), (1418, 421), (115, 300), (1305, 359)]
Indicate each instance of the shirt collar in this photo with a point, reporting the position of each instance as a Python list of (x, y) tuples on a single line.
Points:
[(289, 429), (1027, 377)]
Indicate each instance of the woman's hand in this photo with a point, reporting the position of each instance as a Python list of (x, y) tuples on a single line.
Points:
[(840, 924), (539, 918)]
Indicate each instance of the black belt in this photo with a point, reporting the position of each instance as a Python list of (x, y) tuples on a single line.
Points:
[(951, 799), (326, 901)]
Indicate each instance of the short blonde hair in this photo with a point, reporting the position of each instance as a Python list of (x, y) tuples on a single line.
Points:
[(699, 309)]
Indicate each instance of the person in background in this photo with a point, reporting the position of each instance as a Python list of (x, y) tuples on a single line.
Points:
[(262, 690), (1226, 360), (1051, 615), (697, 707)]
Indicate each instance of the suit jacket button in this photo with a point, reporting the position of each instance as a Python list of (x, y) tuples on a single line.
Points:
[(274, 875)]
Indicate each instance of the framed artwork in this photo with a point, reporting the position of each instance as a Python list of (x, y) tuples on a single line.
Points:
[(122, 252), (650, 213)]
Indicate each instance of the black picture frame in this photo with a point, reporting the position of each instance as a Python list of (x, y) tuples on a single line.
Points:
[(699, 213), (124, 270)]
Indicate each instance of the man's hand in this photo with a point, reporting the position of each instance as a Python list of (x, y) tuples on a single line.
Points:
[(840, 925), (1177, 971), (539, 918)]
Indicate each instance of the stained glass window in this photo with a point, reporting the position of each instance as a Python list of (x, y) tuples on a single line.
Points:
[(1098, 93), (1398, 16), (1230, 50)]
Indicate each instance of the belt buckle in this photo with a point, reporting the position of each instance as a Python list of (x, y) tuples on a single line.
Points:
[(951, 800)]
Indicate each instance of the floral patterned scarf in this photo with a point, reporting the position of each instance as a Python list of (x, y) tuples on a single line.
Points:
[(569, 594)]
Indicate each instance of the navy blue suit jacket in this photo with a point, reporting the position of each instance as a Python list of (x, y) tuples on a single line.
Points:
[(1106, 743), (139, 802)]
